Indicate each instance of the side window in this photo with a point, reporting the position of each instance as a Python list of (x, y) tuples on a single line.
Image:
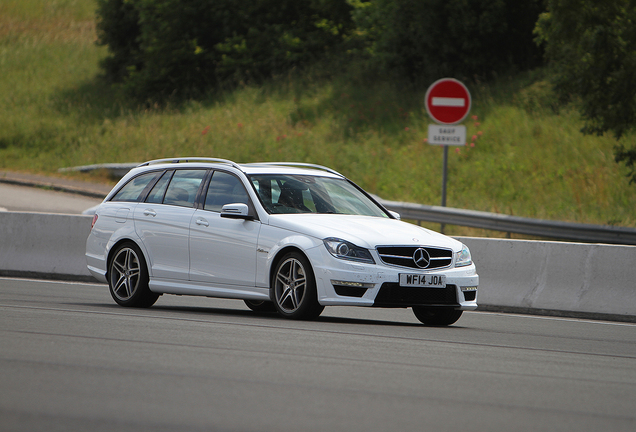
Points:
[(267, 190), (133, 189), (224, 189), (159, 190), (183, 187)]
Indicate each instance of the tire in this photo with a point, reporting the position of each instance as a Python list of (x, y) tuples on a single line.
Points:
[(436, 316), (294, 288), (260, 306), (128, 277)]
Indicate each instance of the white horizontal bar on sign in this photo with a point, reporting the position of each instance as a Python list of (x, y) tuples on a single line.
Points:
[(447, 135), (448, 102)]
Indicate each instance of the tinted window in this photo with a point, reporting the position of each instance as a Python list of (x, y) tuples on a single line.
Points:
[(224, 189), (133, 189), (159, 190), (183, 187)]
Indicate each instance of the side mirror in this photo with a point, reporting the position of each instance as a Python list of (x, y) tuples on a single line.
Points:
[(236, 211), (395, 215)]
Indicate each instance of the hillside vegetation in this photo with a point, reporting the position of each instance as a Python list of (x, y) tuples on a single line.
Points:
[(526, 156)]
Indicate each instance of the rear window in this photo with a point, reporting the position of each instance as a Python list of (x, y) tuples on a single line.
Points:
[(132, 191), (183, 187)]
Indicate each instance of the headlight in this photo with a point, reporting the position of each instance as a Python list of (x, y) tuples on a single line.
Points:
[(346, 250), (463, 257)]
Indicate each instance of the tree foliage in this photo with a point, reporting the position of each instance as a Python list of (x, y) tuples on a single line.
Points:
[(592, 48), (163, 48), (118, 28), (428, 39)]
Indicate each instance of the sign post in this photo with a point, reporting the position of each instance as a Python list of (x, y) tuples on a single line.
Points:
[(448, 103)]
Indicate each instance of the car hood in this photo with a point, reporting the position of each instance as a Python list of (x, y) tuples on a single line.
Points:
[(364, 231)]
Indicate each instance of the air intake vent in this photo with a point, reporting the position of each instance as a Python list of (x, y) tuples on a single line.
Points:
[(393, 295)]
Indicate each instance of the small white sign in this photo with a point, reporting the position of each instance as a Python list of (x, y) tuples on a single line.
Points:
[(447, 135)]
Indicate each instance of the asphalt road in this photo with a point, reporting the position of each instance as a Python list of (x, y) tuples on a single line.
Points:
[(72, 360), (32, 199)]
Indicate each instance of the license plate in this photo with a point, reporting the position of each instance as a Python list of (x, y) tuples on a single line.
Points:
[(422, 280)]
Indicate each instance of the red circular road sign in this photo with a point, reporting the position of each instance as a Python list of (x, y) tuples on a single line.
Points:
[(447, 101)]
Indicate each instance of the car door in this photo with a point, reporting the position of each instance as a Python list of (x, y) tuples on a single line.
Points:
[(223, 250), (162, 222)]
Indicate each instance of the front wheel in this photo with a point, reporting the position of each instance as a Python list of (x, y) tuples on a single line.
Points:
[(436, 316), (128, 277), (294, 288), (260, 305)]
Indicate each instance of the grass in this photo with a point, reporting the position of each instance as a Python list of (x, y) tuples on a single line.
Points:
[(527, 159)]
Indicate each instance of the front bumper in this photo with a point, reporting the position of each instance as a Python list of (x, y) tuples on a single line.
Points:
[(348, 283)]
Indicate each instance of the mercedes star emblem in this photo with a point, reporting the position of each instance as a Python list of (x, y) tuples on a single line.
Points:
[(422, 258)]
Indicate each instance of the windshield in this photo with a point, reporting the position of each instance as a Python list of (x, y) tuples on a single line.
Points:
[(284, 194)]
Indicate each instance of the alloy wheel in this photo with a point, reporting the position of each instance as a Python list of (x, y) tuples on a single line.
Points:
[(290, 285), (124, 274)]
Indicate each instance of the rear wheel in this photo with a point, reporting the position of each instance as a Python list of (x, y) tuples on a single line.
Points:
[(294, 288), (436, 316), (128, 277)]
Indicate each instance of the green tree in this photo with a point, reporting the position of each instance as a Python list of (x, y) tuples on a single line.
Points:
[(592, 48), (181, 48), (118, 28), (421, 40)]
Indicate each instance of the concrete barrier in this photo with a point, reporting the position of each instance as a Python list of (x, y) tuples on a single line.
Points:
[(572, 279), (44, 245)]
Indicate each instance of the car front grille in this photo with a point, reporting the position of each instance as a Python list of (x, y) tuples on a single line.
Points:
[(393, 295), (404, 256)]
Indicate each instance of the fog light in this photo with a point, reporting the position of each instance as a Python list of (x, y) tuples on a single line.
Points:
[(352, 284), (471, 288), (350, 289)]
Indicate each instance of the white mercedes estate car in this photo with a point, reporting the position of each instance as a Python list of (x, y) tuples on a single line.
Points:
[(285, 237)]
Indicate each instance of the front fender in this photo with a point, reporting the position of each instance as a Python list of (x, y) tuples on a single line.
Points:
[(272, 242)]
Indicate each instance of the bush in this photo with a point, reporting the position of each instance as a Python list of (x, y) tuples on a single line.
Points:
[(182, 48), (590, 46), (538, 97), (118, 28), (426, 39)]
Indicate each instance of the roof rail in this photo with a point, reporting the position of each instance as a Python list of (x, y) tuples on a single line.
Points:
[(191, 159), (301, 164)]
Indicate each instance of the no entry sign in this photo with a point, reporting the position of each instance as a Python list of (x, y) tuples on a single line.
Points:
[(447, 101)]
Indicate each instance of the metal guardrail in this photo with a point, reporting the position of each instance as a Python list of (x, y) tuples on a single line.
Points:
[(116, 169), (586, 233)]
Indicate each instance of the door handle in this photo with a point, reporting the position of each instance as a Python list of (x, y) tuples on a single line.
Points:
[(201, 221), (149, 212)]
